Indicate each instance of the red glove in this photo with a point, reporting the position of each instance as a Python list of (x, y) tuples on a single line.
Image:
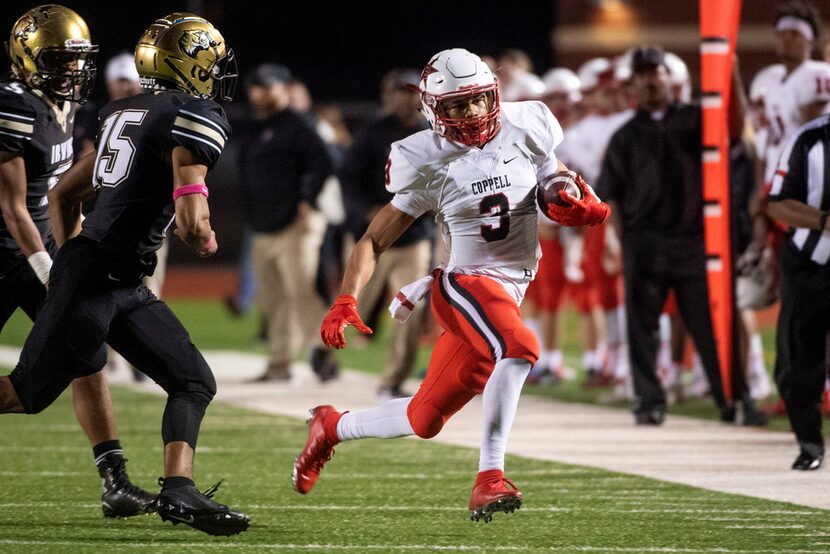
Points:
[(588, 210), (342, 314)]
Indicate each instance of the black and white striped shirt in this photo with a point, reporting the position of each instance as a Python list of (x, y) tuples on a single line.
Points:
[(803, 174)]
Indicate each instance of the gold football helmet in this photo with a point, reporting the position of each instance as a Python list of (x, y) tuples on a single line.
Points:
[(184, 51), (50, 50)]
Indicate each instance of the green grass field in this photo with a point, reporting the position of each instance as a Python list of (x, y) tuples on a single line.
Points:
[(375, 496), (211, 327)]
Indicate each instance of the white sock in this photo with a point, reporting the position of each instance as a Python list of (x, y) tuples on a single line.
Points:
[(385, 421), (664, 353), (532, 323), (623, 324), (499, 401), (612, 326), (555, 359), (623, 367), (589, 359), (756, 353), (665, 328)]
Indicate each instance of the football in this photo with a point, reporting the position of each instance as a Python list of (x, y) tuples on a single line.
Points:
[(547, 192)]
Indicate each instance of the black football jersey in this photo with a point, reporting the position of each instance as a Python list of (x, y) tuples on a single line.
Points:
[(133, 174), (41, 132)]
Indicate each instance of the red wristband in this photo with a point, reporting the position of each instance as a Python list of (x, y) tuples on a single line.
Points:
[(190, 189)]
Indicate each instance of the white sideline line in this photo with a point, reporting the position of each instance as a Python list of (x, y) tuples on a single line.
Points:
[(764, 526), (42, 473), (387, 547), (547, 509)]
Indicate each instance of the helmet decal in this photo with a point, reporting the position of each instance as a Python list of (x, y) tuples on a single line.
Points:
[(51, 50), (194, 41), (186, 52)]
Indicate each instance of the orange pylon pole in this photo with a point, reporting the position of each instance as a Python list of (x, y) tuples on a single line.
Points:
[(719, 21)]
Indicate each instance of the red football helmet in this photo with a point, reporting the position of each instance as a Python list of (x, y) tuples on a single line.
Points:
[(452, 74)]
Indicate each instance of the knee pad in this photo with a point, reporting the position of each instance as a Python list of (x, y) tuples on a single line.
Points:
[(523, 344), (185, 409), (202, 391), (426, 420)]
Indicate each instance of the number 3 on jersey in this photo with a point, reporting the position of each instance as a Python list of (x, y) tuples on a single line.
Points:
[(495, 204), (116, 151)]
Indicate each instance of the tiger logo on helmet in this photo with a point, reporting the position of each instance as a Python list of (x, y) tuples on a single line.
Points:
[(51, 50), (194, 41), (183, 51)]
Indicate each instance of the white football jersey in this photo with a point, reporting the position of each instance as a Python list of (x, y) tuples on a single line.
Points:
[(484, 198), (586, 142), (807, 84)]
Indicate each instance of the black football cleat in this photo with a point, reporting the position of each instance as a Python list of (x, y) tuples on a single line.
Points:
[(187, 505), (324, 364), (809, 459), (650, 416), (121, 498)]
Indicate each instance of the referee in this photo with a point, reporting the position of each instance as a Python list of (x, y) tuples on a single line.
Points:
[(800, 198)]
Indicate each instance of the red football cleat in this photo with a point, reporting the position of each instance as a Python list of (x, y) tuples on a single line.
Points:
[(317, 451), (493, 493)]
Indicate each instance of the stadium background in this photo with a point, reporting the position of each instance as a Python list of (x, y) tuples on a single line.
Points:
[(342, 49)]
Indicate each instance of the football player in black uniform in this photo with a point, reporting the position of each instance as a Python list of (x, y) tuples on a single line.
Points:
[(153, 153), (53, 67)]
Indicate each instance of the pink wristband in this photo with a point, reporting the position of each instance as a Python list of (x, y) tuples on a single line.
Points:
[(190, 189)]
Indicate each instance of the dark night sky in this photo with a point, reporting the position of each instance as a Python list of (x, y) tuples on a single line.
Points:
[(341, 49)]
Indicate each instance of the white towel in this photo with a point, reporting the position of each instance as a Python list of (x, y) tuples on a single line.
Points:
[(406, 298)]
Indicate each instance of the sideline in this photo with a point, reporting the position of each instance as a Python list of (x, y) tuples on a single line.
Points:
[(705, 454)]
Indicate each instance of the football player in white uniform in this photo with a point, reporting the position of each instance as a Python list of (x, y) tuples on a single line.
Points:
[(804, 91), (544, 294), (477, 169), (597, 294)]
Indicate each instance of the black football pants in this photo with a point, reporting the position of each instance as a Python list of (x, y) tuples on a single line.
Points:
[(801, 347), (90, 302), (652, 265), (19, 286)]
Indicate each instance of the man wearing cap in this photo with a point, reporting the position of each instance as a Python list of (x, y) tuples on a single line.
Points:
[(121, 78), (363, 178), (652, 171), (283, 164)]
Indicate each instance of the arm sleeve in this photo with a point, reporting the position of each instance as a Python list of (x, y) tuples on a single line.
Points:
[(202, 127), (17, 120), (548, 141), (790, 179), (407, 183)]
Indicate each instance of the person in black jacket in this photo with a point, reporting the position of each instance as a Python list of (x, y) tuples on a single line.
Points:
[(363, 178), (283, 164), (652, 172)]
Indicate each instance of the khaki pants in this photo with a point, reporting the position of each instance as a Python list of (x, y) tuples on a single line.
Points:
[(155, 282), (285, 266), (399, 266)]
